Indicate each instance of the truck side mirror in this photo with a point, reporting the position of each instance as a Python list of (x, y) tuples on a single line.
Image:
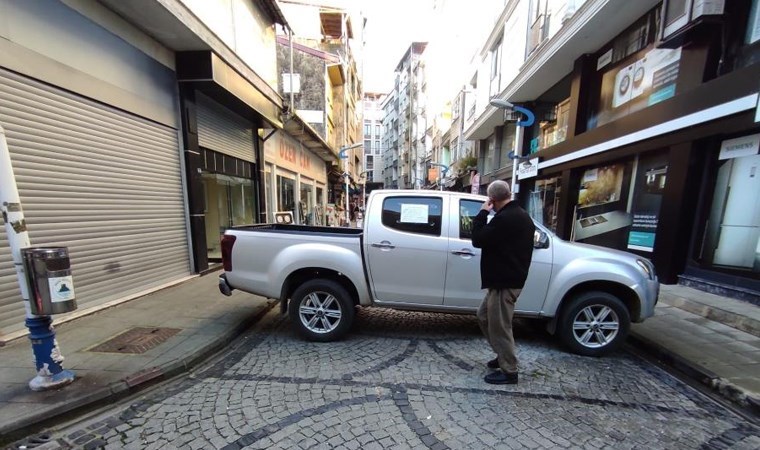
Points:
[(540, 239)]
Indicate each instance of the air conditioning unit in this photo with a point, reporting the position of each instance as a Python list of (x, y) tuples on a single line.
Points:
[(680, 19)]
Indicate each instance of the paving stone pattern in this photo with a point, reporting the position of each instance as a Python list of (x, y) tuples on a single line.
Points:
[(414, 381)]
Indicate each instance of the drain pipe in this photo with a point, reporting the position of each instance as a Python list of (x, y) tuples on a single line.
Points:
[(48, 358)]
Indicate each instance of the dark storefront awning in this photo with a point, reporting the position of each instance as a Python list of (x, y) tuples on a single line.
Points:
[(207, 72)]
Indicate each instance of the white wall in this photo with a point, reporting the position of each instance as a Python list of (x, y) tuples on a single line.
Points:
[(245, 29)]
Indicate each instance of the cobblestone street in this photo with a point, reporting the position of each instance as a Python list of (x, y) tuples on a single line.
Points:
[(414, 380)]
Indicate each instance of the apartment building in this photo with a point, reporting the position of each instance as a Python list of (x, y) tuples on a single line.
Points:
[(389, 140), (646, 129), (373, 137), (407, 105)]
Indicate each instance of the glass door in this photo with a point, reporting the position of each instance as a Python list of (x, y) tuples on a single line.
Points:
[(229, 201)]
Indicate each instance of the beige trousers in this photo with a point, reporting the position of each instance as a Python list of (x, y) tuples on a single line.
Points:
[(495, 319)]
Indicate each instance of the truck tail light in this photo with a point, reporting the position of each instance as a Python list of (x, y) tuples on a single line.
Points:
[(228, 241)]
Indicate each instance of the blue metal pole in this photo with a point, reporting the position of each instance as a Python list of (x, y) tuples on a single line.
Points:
[(48, 358)]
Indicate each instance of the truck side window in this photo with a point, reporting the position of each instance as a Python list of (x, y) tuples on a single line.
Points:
[(468, 209), (421, 215)]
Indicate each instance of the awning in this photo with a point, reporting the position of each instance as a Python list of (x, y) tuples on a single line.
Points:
[(209, 73), (308, 136)]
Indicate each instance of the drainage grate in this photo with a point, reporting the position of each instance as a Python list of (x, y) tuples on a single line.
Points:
[(136, 340)]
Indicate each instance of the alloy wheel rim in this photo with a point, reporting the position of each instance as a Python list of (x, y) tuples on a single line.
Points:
[(320, 312), (595, 326)]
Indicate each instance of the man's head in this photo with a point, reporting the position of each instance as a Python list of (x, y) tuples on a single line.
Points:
[(499, 193)]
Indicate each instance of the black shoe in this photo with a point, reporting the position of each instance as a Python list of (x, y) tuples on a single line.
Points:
[(493, 364), (501, 378)]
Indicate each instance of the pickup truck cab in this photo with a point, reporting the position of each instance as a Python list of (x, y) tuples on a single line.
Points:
[(415, 253)]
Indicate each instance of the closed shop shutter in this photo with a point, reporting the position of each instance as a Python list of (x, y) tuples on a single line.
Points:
[(102, 182), (221, 130)]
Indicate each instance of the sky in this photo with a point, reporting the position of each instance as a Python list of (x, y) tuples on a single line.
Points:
[(392, 25)]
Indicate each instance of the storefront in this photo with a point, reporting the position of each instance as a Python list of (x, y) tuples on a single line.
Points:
[(659, 156), (224, 115), (229, 163), (296, 181), (92, 133)]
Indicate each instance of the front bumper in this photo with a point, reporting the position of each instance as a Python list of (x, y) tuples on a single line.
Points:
[(652, 294)]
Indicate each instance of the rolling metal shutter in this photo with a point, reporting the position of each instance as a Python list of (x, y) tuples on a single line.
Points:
[(102, 182), (221, 130)]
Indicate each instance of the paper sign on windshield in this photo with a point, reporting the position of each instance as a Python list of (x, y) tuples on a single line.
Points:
[(413, 213)]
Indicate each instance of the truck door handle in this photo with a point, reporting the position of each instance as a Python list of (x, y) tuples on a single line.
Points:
[(463, 252), (383, 244)]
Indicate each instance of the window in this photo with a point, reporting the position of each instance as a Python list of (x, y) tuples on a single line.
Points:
[(468, 209), (495, 69), (419, 215), (377, 130), (543, 202), (367, 129), (377, 147), (367, 147)]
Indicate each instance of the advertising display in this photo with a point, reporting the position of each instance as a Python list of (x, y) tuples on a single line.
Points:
[(601, 217), (648, 79), (649, 185)]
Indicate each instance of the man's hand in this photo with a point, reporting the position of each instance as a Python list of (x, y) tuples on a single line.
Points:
[(487, 205)]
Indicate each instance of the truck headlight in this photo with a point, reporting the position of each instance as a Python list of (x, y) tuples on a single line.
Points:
[(647, 267)]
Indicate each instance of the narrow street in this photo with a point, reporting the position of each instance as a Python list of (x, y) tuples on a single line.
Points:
[(412, 380)]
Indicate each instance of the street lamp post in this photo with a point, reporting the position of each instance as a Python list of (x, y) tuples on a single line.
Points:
[(530, 118), (343, 155), (441, 173)]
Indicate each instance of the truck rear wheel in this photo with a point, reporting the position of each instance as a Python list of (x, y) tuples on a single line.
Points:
[(321, 310), (594, 323)]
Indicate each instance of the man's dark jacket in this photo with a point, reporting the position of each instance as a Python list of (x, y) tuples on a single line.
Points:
[(507, 246)]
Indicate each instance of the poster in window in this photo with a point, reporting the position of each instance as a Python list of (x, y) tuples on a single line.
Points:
[(648, 79), (649, 185), (601, 217)]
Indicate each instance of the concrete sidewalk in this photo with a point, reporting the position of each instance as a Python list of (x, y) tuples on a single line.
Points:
[(717, 343), (712, 339), (204, 321)]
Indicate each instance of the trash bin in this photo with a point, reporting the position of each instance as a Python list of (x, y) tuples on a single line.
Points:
[(48, 275)]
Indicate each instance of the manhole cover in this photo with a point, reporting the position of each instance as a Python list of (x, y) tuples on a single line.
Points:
[(136, 340)]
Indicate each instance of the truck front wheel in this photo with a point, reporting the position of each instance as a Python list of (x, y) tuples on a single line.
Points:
[(321, 310), (594, 323)]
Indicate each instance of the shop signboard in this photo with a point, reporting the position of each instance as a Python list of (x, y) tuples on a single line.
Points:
[(475, 189), (739, 147), (527, 169)]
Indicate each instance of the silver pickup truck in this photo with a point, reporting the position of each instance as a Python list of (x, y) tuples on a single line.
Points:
[(415, 253)]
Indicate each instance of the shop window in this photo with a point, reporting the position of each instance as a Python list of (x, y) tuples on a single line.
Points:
[(419, 215), (319, 208), (286, 195), (600, 216), (490, 151), (543, 202), (507, 144), (732, 237), (648, 187), (306, 204), (554, 130), (618, 204), (229, 201)]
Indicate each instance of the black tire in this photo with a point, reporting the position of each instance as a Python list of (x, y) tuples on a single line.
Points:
[(336, 317), (594, 338)]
